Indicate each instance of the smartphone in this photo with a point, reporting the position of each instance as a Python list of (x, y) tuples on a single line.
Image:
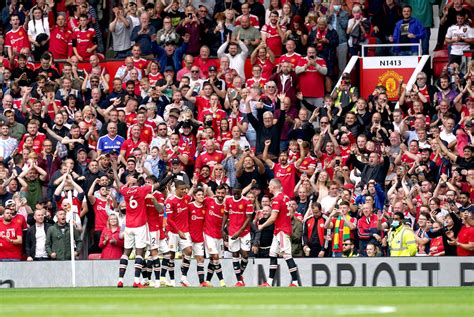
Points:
[(338, 162), (190, 16)]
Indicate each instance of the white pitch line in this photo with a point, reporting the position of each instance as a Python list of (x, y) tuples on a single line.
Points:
[(131, 308)]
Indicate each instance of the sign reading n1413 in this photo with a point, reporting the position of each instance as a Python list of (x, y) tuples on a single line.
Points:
[(389, 62)]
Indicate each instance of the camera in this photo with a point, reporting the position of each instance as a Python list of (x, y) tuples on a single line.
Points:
[(338, 162)]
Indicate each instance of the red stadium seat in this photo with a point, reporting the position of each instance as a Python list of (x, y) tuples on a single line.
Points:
[(94, 256)]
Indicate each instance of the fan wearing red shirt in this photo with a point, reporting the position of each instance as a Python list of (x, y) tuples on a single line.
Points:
[(281, 244), (197, 213), (158, 242), (60, 44), (210, 157), (257, 80), (136, 230), (213, 233), (204, 62), (138, 61), (103, 205), (202, 102), (178, 230), (11, 237), (465, 238), (84, 40), (283, 170), (290, 56), (273, 33), (237, 218), (130, 143), (311, 71), (16, 38), (263, 57), (38, 137)]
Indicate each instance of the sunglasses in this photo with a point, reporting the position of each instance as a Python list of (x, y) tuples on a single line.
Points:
[(194, 71), (347, 244)]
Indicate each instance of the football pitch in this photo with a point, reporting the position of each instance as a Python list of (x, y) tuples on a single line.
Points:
[(261, 302)]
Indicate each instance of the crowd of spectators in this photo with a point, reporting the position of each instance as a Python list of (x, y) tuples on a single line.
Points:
[(366, 176)]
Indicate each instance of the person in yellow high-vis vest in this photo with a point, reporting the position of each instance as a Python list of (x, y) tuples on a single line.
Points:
[(401, 239)]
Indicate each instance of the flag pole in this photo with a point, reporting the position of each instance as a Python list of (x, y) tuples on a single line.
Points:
[(71, 238)]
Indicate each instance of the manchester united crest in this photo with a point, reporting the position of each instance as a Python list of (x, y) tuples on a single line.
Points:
[(390, 80)]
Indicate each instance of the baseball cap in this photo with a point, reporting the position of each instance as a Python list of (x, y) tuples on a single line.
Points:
[(212, 69), (81, 149), (9, 202), (169, 69), (134, 2), (174, 113), (175, 161), (186, 125)]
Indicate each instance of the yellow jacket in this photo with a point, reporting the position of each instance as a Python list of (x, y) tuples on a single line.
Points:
[(402, 242)]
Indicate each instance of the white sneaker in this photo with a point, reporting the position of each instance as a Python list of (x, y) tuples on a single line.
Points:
[(157, 284), (185, 283), (171, 283)]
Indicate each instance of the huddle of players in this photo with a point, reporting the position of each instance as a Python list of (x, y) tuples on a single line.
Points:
[(193, 224)]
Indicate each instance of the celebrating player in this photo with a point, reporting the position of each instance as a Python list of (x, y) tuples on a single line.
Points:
[(136, 231), (213, 233), (197, 212), (237, 217), (281, 243), (154, 211), (178, 230)]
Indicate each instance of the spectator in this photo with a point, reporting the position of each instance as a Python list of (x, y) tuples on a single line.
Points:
[(401, 238), (35, 243), (314, 234), (84, 40), (58, 241), (273, 33), (111, 240), (121, 29), (11, 238), (144, 35), (38, 33), (339, 19), (406, 31), (236, 59), (461, 37)]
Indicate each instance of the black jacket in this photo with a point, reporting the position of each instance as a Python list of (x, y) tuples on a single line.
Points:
[(30, 241)]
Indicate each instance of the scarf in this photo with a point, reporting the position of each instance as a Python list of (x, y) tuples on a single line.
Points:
[(339, 228), (320, 34)]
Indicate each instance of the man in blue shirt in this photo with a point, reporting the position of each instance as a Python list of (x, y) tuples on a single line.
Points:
[(111, 141), (407, 30)]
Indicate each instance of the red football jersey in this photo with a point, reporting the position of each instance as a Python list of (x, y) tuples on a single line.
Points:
[(196, 222), (251, 82), (287, 176), (154, 218), (294, 59), (307, 163), (267, 67), (37, 142), (213, 219), (60, 44), (7, 249), (17, 40), (273, 40), (311, 81), (100, 212), (209, 159), (283, 221), (84, 41), (201, 105), (178, 213), (238, 211), (136, 207), (141, 64)]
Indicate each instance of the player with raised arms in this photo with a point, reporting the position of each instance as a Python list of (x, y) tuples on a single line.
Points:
[(281, 243), (237, 218), (136, 229), (158, 240)]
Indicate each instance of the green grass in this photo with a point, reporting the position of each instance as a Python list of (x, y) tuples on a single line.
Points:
[(275, 302)]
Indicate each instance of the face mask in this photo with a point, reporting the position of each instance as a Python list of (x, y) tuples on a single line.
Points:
[(337, 8), (395, 223)]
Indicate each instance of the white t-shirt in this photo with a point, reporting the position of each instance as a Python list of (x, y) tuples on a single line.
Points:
[(36, 27), (463, 31)]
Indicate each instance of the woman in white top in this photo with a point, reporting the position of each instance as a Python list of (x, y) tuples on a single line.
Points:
[(38, 33), (357, 29)]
